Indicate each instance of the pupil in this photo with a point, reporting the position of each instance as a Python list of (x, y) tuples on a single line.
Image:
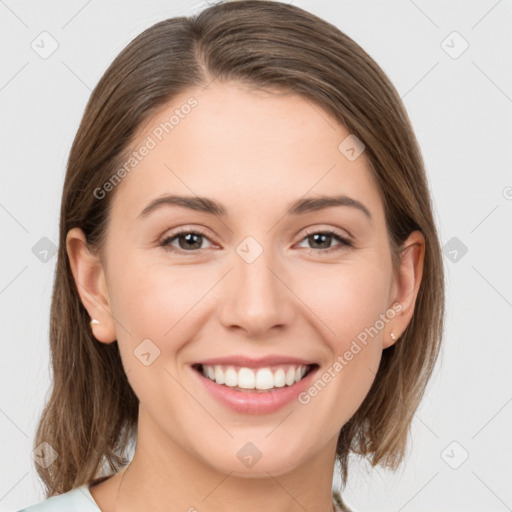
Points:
[(315, 238), (189, 238)]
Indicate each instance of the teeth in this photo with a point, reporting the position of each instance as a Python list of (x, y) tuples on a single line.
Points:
[(290, 376), (247, 378), (231, 377), (279, 378), (218, 377)]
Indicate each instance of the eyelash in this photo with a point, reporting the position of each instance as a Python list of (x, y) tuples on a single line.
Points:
[(344, 242)]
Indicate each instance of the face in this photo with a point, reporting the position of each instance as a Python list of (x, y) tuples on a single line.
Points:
[(255, 284)]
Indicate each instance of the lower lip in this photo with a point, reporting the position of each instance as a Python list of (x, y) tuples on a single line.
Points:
[(247, 402)]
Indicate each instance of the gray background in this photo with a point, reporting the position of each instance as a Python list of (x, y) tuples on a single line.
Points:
[(460, 104)]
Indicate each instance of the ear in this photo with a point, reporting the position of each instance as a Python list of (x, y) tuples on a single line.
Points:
[(406, 285), (90, 282)]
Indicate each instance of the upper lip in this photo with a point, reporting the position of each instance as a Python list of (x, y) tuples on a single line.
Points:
[(253, 362)]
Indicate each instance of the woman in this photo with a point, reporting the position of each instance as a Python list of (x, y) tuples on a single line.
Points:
[(249, 281)]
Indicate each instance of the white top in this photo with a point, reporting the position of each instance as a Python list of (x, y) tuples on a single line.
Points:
[(79, 500)]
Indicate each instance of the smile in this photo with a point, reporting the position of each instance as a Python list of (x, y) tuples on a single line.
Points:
[(265, 378), (259, 390)]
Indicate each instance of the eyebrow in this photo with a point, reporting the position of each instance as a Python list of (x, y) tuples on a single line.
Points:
[(299, 207)]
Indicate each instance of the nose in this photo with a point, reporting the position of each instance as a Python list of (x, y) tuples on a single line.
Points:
[(258, 298)]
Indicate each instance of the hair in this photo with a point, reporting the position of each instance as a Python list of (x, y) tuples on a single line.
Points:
[(90, 416)]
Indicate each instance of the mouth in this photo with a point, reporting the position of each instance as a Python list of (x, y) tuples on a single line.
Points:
[(263, 379)]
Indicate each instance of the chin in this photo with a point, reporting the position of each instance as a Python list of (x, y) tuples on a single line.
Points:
[(248, 461)]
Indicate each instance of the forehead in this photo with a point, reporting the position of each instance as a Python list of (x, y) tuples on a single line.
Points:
[(238, 143)]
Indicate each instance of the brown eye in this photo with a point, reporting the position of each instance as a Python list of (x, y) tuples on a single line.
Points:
[(188, 241), (322, 240)]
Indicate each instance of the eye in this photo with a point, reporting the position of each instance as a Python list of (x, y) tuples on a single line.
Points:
[(188, 241), (324, 239)]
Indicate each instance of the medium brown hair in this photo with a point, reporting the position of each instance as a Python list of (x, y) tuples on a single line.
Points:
[(90, 417)]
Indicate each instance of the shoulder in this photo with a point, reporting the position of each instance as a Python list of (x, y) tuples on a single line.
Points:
[(76, 500)]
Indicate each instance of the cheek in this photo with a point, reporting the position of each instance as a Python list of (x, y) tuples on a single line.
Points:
[(156, 306), (349, 302), (347, 299), (150, 298)]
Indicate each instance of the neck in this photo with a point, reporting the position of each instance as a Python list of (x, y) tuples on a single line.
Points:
[(165, 476)]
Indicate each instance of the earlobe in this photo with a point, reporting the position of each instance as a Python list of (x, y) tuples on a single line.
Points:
[(407, 284), (89, 277)]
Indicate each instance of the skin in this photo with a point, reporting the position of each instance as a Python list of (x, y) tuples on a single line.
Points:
[(255, 152)]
